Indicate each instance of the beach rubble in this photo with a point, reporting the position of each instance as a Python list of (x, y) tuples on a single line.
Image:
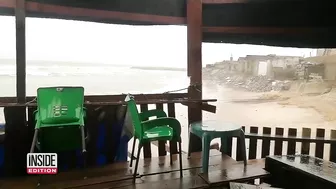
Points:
[(250, 83)]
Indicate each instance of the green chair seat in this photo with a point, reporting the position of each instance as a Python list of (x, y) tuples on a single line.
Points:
[(60, 120), (156, 133)]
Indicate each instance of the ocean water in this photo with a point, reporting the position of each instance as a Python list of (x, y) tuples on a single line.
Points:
[(95, 78)]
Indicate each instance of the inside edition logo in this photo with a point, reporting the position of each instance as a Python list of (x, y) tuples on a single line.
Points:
[(42, 163)]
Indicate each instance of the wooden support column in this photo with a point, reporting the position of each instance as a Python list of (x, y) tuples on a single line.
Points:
[(20, 20), (18, 138), (194, 28)]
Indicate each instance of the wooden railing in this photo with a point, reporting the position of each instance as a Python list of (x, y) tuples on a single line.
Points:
[(264, 141)]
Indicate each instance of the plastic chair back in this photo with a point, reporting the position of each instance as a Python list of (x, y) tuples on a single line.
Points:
[(57, 105), (133, 110)]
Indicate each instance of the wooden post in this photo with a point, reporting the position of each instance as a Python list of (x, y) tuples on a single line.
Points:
[(194, 28), (20, 20), (18, 140)]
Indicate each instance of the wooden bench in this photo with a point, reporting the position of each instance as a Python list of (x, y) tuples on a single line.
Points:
[(301, 171)]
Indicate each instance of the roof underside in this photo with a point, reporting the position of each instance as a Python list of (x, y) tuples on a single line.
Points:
[(283, 23)]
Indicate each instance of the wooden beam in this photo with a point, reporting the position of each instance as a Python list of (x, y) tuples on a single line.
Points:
[(95, 14), (7, 3), (204, 106), (100, 14), (194, 32), (224, 1), (258, 30), (113, 98), (20, 20)]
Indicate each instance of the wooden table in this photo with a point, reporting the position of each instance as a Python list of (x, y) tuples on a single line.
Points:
[(301, 171)]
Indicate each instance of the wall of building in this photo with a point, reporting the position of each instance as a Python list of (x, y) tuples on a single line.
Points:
[(286, 62), (277, 65), (323, 52), (330, 71)]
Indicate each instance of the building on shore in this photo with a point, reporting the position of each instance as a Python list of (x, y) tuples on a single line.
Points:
[(273, 66), (325, 59)]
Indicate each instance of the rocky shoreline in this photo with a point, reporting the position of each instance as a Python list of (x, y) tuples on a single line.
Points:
[(249, 83)]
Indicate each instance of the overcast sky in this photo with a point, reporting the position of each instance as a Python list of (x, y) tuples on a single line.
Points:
[(64, 40)]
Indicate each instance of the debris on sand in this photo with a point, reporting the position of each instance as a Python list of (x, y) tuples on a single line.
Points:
[(250, 83)]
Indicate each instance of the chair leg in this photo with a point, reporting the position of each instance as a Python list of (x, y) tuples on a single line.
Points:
[(39, 181), (189, 145), (34, 141), (206, 140), (243, 146), (137, 162), (171, 154), (134, 140), (83, 146), (180, 157)]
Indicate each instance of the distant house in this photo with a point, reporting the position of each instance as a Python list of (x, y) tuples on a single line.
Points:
[(269, 65), (327, 57)]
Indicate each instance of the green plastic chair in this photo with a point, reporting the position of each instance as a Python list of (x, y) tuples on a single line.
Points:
[(162, 128), (59, 120)]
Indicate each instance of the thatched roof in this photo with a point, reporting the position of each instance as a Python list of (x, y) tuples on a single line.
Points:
[(283, 22)]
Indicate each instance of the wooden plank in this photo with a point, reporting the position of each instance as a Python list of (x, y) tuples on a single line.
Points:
[(148, 180), (87, 182), (319, 149), (305, 147), (278, 143), (110, 174), (288, 138), (112, 131), (224, 1), (204, 106), (192, 182), (87, 104), (239, 156), (93, 127), (161, 164), (332, 155), (266, 143), (96, 14), (234, 173), (301, 171), (194, 43), (31, 122), (74, 178), (110, 185), (257, 30), (162, 144), (256, 162), (147, 146), (172, 144), (20, 21), (17, 144), (236, 185), (93, 14), (291, 146), (114, 98), (253, 143), (19, 183)]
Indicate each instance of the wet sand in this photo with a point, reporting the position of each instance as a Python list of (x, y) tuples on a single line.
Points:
[(246, 109)]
